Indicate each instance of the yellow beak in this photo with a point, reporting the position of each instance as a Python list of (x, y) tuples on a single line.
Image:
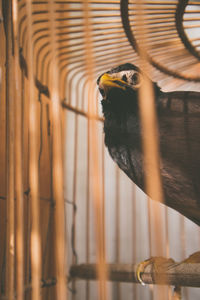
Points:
[(108, 82)]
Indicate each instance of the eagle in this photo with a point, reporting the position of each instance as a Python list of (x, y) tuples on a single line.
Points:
[(178, 119)]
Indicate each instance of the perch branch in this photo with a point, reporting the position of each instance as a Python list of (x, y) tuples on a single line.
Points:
[(178, 274)]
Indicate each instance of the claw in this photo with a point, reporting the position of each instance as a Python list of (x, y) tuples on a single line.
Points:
[(140, 269), (138, 274), (157, 263)]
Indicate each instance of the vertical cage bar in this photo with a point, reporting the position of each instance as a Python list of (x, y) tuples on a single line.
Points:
[(18, 162), (150, 141), (74, 259), (10, 204), (149, 121), (134, 234), (88, 209), (33, 167), (117, 286), (60, 242), (97, 202), (96, 185)]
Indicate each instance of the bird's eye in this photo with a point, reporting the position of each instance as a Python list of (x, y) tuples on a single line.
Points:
[(135, 78), (124, 78)]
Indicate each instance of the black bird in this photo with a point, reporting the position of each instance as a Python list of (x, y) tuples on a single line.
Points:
[(178, 115)]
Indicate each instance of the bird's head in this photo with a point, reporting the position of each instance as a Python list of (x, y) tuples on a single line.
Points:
[(119, 87)]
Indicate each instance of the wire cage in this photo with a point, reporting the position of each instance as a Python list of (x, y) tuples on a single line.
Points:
[(73, 226)]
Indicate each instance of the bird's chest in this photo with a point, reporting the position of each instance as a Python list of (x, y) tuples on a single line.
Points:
[(123, 139), (122, 131)]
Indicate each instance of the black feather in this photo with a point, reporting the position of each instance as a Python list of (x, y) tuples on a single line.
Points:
[(178, 115)]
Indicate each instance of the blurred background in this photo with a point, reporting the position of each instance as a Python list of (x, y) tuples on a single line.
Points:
[(51, 127)]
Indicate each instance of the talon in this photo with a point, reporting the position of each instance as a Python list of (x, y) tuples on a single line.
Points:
[(140, 269), (138, 276)]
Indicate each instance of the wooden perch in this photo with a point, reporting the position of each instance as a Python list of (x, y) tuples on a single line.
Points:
[(178, 274)]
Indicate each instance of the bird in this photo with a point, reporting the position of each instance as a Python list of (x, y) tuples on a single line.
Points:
[(178, 122)]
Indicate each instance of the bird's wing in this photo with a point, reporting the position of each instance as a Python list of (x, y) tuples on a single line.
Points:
[(179, 128)]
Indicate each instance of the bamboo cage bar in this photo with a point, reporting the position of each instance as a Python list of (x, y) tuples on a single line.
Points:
[(60, 241), (35, 247), (176, 275), (134, 234), (117, 229), (150, 144), (75, 165), (18, 163), (10, 204), (88, 212), (96, 185)]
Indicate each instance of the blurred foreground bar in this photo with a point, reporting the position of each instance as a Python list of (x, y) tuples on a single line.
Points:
[(180, 274)]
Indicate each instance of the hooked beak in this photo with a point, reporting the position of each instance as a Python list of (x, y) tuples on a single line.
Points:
[(106, 81)]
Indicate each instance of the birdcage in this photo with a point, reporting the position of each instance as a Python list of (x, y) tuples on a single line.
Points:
[(73, 226)]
